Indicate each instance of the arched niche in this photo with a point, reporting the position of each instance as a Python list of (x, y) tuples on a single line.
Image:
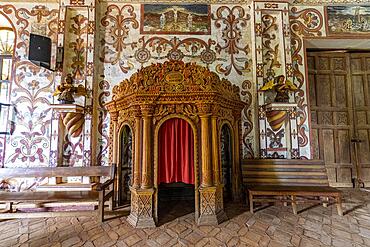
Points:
[(157, 93), (176, 168), (124, 166), (226, 149)]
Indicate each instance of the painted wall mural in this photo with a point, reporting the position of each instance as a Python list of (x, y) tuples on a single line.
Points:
[(76, 36), (116, 24), (175, 19), (75, 43), (304, 23), (31, 87), (126, 48), (231, 23), (276, 109), (246, 49), (348, 20), (248, 137)]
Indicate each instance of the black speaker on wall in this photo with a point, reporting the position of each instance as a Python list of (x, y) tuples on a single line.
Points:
[(40, 50)]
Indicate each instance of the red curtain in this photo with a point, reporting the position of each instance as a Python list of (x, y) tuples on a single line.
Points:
[(176, 152)]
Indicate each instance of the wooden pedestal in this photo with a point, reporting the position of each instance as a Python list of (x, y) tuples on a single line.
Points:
[(141, 215), (211, 206)]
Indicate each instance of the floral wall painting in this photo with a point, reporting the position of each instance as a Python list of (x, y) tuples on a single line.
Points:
[(175, 19), (348, 20)]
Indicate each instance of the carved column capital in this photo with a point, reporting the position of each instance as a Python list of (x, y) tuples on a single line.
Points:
[(216, 110), (114, 116), (136, 111), (204, 109), (147, 109), (237, 114)]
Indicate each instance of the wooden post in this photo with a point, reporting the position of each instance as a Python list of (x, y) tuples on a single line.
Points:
[(215, 151), (339, 205), (114, 117), (111, 199), (326, 202), (251, 202), (206, 152), (285, 202), (146, 178), (9, 207), (137, 140), (101, 206), (294, 205)]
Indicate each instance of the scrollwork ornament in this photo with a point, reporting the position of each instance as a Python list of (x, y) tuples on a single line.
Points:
[(117, 20), (304, 23), (232, 21)]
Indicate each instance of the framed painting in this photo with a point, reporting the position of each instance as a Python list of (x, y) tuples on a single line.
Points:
[(175, 19), (348, 20)]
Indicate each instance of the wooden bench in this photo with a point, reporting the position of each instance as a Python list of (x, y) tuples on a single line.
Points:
[(295, 195), (289, 181), (100, 194), (292, 172)]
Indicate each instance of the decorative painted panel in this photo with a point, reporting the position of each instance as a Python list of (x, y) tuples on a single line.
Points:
[(277, 122), (348, 20), (276, 30), (304, 23), (124, 50), (175, 19), (76, 31), (31, 88)]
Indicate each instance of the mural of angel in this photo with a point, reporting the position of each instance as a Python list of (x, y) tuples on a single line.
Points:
[(282, 88)]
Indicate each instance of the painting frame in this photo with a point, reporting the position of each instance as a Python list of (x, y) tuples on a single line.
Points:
[(345, 28), (201, 22)]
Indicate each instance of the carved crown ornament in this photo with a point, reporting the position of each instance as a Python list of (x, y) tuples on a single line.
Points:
[(175, 82)]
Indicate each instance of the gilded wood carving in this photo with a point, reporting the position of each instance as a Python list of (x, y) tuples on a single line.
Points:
[(176, 89)]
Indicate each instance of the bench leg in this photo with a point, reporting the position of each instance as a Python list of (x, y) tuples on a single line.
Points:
[(111, 201), (285, 203), (339, 205), (251, 202), (294, 205), (101, 207), (9, 207), (326, 202)]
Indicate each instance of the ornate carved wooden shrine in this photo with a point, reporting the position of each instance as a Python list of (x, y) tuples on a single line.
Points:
[(188, 91)]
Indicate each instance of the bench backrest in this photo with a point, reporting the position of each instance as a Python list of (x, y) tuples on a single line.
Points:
[(90, 171), (293, 172)]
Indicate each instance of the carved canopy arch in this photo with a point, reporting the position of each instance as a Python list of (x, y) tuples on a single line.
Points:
[(175, 77)]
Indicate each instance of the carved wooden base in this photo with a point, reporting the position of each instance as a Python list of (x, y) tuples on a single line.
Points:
[(141, 215), (211, 206)]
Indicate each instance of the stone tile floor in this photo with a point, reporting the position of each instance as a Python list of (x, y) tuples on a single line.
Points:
[(273, 226)]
